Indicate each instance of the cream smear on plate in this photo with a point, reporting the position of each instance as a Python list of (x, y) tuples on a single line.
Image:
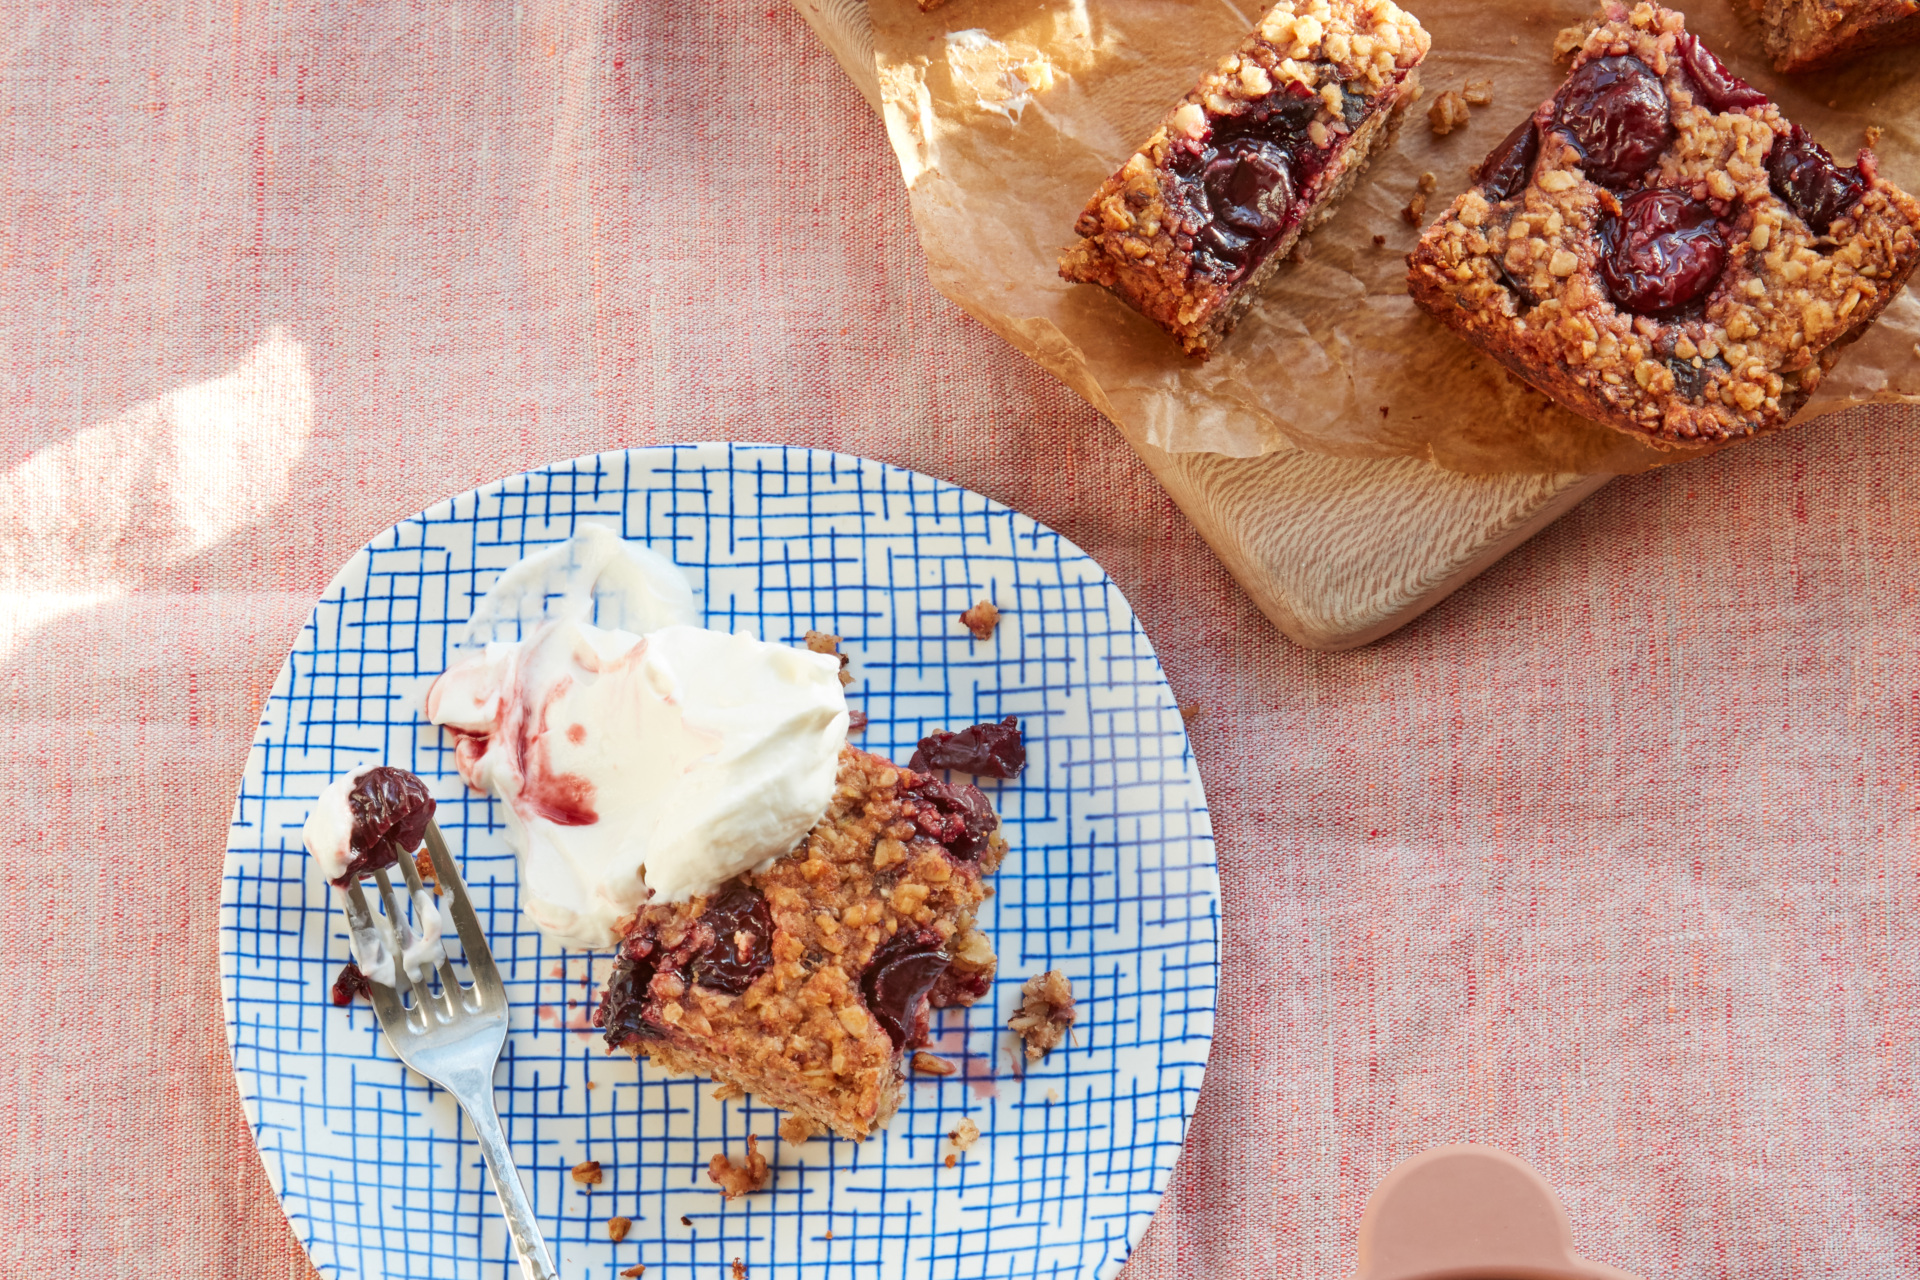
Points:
[(639, 757)]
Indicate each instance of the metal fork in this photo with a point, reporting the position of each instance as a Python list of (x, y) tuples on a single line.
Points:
[(454, 1038)]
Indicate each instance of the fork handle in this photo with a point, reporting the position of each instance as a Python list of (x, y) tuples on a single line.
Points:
[(528, 1244)]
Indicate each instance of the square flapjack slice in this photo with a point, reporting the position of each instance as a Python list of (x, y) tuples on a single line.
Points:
[(810, 984), (1807, 35), (1256, 155), (1659, 249)]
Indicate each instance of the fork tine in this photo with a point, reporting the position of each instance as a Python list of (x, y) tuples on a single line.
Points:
[(447, 1003), (387, 1005), (402, 980), (488, 989)]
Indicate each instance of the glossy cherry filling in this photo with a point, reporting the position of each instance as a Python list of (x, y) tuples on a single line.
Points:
[(898, 980), (1716, 86), (1244, 181), (1618, 115), (725, 948), (1802, 173), (391, 809), (735, 941), (1662, 252), (622, 1012), (1504, 173), (985, 750), (958, 817)]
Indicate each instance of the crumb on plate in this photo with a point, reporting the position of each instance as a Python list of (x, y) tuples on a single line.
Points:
[(932, 1064), (737, 1180), (1046, 1013), (964, 1134), (981, 619), (828, 643)]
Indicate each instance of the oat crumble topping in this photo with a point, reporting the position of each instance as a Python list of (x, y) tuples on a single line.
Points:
[(1534, 274), (1046, 1013), (743, 1179), (801, 1003)]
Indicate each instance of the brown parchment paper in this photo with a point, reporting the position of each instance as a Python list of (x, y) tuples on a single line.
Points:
[(1006, 114)]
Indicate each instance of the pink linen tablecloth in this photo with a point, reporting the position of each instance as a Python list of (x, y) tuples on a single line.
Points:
[(1612, 860)]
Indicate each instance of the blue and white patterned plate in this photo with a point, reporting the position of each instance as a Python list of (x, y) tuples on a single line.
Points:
[(1110, 877)]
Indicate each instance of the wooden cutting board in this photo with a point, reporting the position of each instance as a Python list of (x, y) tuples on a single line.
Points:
[(1338, 552)]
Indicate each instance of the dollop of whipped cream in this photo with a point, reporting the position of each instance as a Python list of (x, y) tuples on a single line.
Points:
[(651, 761), (328, 833)]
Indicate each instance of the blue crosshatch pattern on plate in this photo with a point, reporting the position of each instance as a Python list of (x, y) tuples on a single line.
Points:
[(1110, 877)]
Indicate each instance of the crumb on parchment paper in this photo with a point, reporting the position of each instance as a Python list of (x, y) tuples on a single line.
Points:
[(1448, 112)]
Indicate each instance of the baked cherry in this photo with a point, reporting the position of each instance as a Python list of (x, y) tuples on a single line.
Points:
[(1243, 184), (390, 810), (958, 817), (1690, 383), (987, 750), (1523, 297), (1505, 171), (1353, 106), (1284, 118), (737, 940), (1226, 244), (350, 984), (1803, 173), (621, 1013), (1617, 113), (1662, 252), (898, 979), (1249, 186), (1719, 88)]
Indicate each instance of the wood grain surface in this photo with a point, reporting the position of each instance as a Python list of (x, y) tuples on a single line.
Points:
[(1337, 552)]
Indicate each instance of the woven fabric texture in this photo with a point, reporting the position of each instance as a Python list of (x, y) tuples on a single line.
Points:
[(1612, 860)]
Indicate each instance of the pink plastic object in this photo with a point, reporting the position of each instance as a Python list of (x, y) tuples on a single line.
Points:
[(1469, 1213)]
